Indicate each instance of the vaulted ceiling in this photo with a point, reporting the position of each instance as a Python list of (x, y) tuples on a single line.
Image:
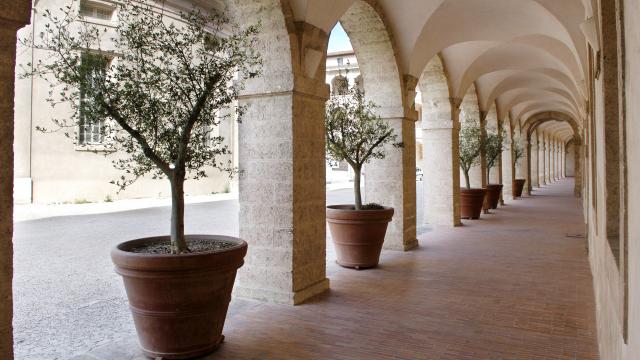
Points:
[(525, 56)]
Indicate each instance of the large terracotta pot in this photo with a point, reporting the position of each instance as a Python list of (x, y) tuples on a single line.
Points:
[(358, 234), (518, 185), (493, 195), (471, 201), (179, 302)]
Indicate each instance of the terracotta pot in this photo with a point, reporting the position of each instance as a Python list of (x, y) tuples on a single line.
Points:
[(179, 302), (518, 185), (493, 195), (358, 235), (471, 201)]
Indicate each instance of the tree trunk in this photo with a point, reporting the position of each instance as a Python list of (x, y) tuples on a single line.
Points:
[(488, 174), (178, 243), (356, 188), (466, 178)]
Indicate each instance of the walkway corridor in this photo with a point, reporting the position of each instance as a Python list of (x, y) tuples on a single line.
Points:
[(515, 285)]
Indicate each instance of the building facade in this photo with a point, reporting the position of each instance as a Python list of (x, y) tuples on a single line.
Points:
[(52, 168)]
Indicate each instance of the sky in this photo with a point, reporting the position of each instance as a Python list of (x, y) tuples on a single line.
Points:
[(338, 40)]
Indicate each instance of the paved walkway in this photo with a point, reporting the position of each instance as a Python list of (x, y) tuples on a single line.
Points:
[(511, 286)]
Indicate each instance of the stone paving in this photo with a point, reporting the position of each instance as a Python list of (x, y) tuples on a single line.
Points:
[(515, 285), (67, 298)]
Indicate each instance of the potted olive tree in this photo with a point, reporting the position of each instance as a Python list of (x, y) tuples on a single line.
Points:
[(158, 86), (356, 134), (492, 149), (518, 154), (471, 199)]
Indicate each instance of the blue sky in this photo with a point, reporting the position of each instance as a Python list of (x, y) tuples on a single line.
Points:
[(338, 40)]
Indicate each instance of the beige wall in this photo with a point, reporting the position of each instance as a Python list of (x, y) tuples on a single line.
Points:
[(617, 315), (60, 171)]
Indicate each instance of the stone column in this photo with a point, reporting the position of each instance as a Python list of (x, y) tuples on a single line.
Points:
[(392, 180), (558, 160), (507, 164), (547, 159), (522, 168), (541, 161), (578, 161), (282, 164), (552, 161), (563, 158), (441, 164), (534, 162), (14, 15)]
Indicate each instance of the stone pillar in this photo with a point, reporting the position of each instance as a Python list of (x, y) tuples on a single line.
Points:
[(553, 161), (507, 164), (578, 161), (14, 15), (522, 168), (534, 162), (392, 181), (541, 161), (282, 164), (563, 158), (441, 163), (547, 159), (558, 160)]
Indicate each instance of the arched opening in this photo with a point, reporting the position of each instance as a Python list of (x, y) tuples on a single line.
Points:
[(390, 181), (440, 128)]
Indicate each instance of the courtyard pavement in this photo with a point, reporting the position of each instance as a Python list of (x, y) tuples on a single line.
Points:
[(514, 285), (67, 298)]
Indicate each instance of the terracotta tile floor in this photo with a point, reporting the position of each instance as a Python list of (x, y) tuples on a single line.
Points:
[(512, 285)]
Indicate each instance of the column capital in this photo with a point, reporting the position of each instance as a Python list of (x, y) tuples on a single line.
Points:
[(409, 97), (455, 102)]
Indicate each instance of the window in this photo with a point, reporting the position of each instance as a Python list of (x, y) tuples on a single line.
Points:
[(97, 10), (90, 130), (340, 61)]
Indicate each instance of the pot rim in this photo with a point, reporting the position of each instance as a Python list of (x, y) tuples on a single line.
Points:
[(342, 208), (128, 263), (119, 248), (473, 189)]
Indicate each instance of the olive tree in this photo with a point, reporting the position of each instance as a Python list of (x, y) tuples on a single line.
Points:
[(518, 151), (493, 147), (158, 85), (470, 147), (356, 134)]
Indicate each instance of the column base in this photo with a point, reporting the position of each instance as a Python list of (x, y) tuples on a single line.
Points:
[(283, 297), (401, 247)]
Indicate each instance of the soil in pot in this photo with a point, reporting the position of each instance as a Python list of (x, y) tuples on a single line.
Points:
[(518, 186), (493, 195), (358, 235), (471, 201), (179, 302)]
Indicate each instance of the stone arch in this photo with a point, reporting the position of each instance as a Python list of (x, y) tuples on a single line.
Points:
[(375, 50), (534, 121), (470, 112), (440, 129), (390, 181)]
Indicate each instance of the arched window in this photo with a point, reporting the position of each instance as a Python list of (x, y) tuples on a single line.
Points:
[(339, 85)]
